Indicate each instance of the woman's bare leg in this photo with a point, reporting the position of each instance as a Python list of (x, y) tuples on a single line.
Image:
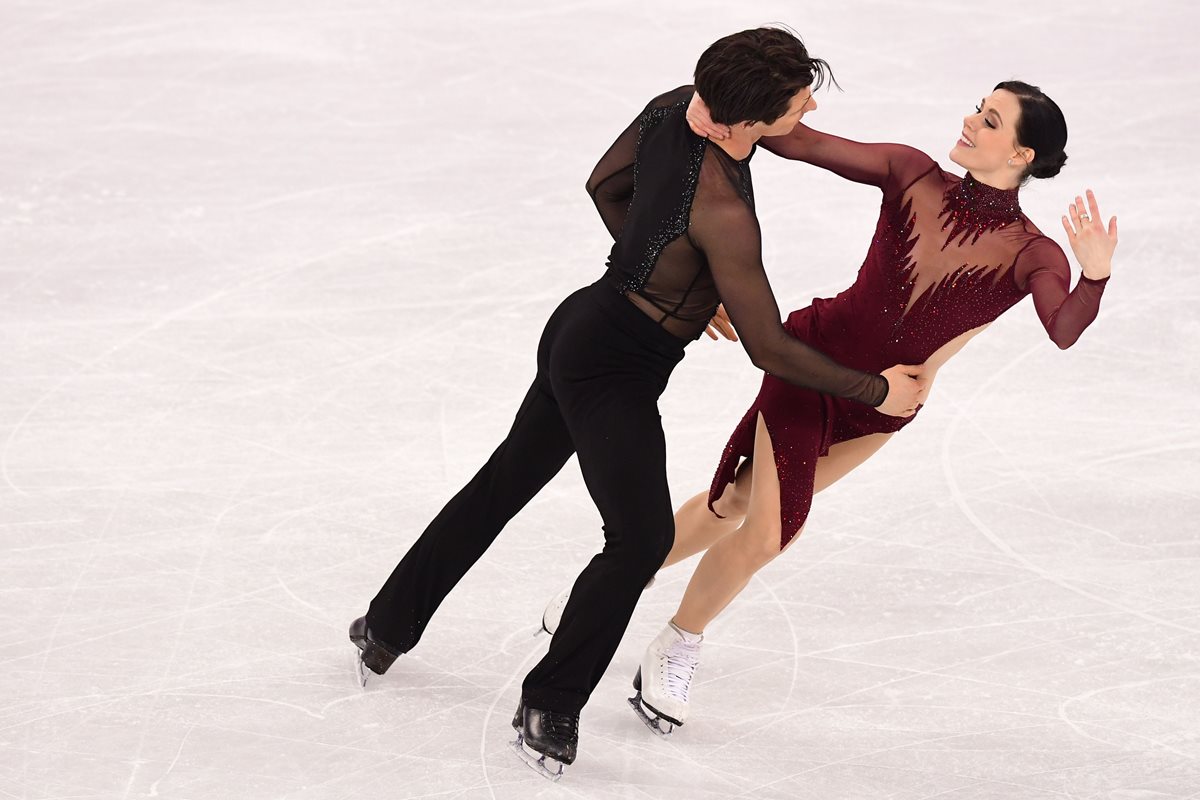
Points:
[(730, 563), (697, 528), (844, 457)]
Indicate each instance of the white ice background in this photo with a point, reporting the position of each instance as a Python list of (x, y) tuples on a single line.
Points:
[(271, 277)]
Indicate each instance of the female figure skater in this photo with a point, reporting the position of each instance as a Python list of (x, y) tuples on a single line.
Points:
[(681, 211), (948, 257)]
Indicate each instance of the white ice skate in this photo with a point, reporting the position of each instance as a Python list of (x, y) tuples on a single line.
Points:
[(663, 681), (554, 610)]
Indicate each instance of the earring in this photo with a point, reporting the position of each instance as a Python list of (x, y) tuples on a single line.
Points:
[(1010, 162)]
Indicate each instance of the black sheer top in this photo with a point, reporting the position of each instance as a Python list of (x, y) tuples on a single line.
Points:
[(681, 211)]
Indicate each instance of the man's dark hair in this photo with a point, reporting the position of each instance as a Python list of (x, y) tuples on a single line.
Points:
[(751, 76)]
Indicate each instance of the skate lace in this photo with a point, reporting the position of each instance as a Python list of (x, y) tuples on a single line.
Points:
[(682, 660), (561, 725)]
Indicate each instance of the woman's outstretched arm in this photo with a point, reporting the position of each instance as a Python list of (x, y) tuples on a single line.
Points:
[(1042, 270), (883, 164)]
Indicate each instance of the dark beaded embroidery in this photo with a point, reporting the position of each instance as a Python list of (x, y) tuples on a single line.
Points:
[(975, 208), (676, 223)]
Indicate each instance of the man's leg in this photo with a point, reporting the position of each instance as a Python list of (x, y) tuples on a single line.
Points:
[(534, 451), (622, 453)]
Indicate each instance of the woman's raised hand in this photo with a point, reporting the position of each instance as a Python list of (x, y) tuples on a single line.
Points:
[(1092, 244), (700, 121)]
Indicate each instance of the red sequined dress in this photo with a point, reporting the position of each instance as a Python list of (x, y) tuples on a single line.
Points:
[(949, 255)]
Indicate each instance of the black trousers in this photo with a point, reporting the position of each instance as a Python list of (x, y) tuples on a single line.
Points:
[(602, 365)]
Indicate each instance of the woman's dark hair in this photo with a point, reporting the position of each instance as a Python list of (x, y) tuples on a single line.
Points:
[(752, 76), (1042, 127)]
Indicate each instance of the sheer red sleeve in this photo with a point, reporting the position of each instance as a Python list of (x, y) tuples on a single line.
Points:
[(1042, 270), (891, 167)]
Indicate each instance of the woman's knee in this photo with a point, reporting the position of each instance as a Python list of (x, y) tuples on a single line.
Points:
[(758, 546)]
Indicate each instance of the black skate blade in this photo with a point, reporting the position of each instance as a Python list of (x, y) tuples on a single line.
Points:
[(540, 763), (656, 723)]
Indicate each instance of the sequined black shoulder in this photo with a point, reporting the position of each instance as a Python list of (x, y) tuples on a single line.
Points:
[(659, 141)]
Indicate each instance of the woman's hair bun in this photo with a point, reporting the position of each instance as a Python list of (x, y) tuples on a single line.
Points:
[(1047, 167)]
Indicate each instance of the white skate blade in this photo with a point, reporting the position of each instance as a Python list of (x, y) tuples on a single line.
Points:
[(657, 724), (360, 669), (540, 763)]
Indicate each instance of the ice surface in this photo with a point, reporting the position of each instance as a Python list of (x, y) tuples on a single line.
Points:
[(271, 276)]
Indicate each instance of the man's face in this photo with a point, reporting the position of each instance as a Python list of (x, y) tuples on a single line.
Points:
[(800, 104)]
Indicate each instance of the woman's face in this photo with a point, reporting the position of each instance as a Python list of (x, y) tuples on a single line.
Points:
[(989, 136)]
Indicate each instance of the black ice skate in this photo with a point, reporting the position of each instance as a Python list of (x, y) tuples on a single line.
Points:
[(372, 655), (546, 740)]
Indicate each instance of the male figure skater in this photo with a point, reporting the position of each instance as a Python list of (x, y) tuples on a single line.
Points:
[(681, 211)]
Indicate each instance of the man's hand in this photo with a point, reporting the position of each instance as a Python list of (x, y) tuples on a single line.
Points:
[(906, 390)]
